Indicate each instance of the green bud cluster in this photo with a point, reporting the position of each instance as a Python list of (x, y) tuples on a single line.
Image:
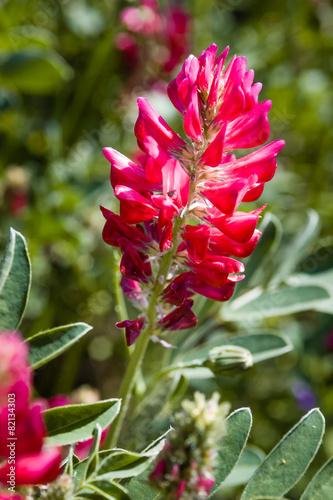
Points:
[(184, 469), (61, 489)]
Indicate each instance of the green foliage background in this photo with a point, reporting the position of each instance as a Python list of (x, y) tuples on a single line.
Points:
[(66, 92)]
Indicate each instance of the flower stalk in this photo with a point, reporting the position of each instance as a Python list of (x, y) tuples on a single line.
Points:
[(141, 345)]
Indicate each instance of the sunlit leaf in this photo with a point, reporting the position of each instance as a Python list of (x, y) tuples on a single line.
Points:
[(15, 276), (49, 344), (73, 423)]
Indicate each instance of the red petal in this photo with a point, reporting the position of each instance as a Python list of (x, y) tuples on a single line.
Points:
[(222, 245), (151, 123), (196, 238), (220, 294), (240, 226), (180, 318), (214, 270), (249, 130), (214, 153), (254, 193), (192, 120), (132, 329), (116, 228), (134, 207), (228, 195), (176, 182), (126, 172), (261, 162)]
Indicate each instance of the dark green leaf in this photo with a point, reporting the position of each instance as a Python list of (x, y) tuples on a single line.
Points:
[(288, 461), (15, 276), (231, 446), (49, 344), (321, 486), (73, 423)]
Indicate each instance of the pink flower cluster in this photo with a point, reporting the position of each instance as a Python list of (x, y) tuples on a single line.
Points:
[(24, 459), (197, 184), (201, 488), (167, 29)]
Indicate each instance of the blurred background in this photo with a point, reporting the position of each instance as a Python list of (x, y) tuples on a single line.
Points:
[(70, 73)]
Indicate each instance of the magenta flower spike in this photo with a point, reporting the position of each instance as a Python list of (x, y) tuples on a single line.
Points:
[(35, 462), (183, 221)]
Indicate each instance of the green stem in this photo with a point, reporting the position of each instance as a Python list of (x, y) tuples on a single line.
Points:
[(142, 342), (118, 295)]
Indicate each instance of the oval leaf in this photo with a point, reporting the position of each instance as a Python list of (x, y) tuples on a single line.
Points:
[(264, 345), (49, 344), (239, 424), (72, 423), (15, 276), (257, 305), (288, 461), (321, 485)]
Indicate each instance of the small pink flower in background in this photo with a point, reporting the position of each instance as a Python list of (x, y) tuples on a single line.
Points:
[(197, 182), (144, 19), (126, 43), (158, 36), (15, 189), (177, 27), (34, 462)]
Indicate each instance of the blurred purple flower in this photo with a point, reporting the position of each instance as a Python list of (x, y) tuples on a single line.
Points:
[(303, 394)]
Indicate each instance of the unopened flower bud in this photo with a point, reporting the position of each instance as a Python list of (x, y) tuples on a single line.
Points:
[(228, 360)]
